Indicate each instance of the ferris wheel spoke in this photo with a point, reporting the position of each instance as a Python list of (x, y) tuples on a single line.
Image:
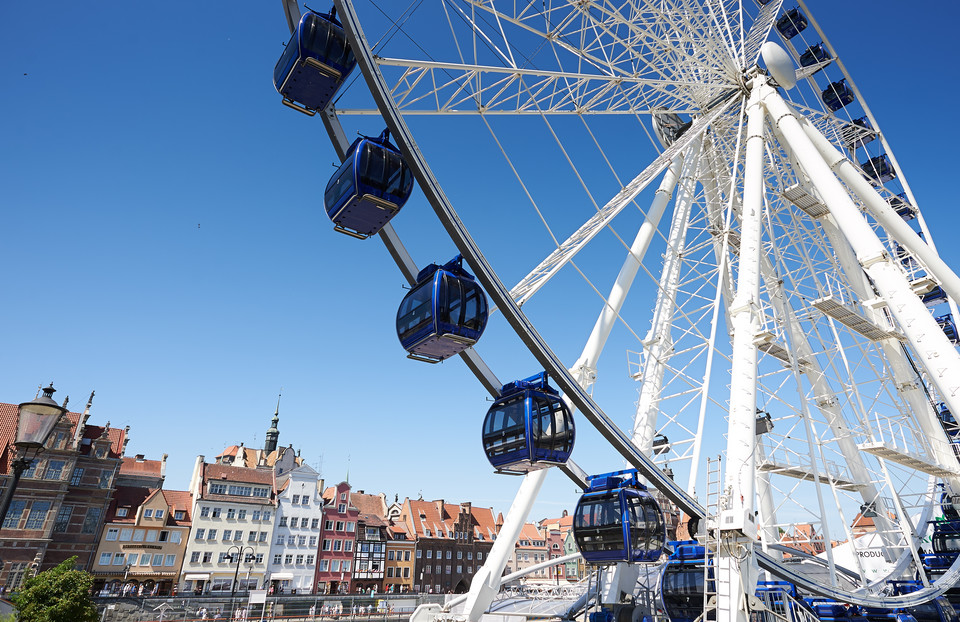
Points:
[(569, 248), (428, 87)]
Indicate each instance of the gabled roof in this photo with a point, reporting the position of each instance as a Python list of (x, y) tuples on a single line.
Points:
[(371, 505), (238, 475), (428, 515), (530, 534), (129, 498), (179, 501)]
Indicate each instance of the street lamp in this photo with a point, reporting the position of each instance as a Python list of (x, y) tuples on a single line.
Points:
[(241, 550), (35, 422)]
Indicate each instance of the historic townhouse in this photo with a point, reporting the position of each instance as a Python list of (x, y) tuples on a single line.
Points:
[(530, 549), (401, 560), (59, 505), (370, 551), (557, 530), (233, 512), (143, 542), (452, 541), (296, 533), (335, 566)]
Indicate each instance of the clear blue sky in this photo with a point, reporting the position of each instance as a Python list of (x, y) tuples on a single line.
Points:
[(164, 243)]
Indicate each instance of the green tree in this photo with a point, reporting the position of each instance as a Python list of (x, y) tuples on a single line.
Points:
[(61, 594)]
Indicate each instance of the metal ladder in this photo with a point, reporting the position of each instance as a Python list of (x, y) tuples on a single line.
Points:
[(711, 540)]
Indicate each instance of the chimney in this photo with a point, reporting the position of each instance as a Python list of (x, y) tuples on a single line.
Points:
[(439, 503), (196, 480), (564, 515), (163, 467)]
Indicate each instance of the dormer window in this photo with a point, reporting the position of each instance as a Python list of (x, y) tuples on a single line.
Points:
[(148, 513), (426, 532), (179, 515), (121, 512)]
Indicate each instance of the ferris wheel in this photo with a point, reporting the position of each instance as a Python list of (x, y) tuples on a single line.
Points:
[(714, 159)]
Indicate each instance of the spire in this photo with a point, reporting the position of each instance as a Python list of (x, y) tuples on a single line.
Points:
[(273, 434)]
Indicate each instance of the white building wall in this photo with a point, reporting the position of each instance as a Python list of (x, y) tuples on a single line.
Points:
[(295, 541)]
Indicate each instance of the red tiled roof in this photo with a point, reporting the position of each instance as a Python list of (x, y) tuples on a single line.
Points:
[(131, 498), (132, 466), (369, 504), (238, 474), (178, 501), (530, 533), (427, 515)]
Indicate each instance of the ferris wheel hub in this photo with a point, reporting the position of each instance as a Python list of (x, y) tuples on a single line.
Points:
[(779, 64)]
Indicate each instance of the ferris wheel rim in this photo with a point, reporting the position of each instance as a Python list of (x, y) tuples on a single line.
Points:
[(531, 339)]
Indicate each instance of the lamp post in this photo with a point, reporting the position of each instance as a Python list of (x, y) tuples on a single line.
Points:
[(35, 422), (241, 550)]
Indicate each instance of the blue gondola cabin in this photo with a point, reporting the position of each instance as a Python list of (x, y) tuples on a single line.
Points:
[(791, 23), (369, 188), (529, 427), (314, 63), (879, 169), (837, 95), (444, 314), (617, 520)]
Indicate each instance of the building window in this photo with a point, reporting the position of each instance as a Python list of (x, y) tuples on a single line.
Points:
[(324, 565), (212, 534), (175, 537), (309, 560), (38, 514), (291, 540), (118, 559), (283, 521), (224, 558), (459, 554), (469, 569), (302, 540), (256, 515), (313, 540), (200, 533), (314, 523), (426, 532), (238, 535), (326, 546), (263, 536), (252, 536), (406, 556), (216, 512), (419, 553), (218, 489), (226, 535), (470, 555), (296, 499), (479, 556), (194, 557), (126, 534), (343, 496), (448, 568), (390, 572), (261, 492), (293, 522), (390, 556), (112, 533), (339, 525), (231, 513), (348, 545), (76, 477), (346, 566), (449, 554), (151, 535), (121, 512), (428, 569), (158, 514), (169, 560), (205, 511), (105, 559), (337, 544), (259, 560), (91, 522), (148, 513), (63, 518), (459, 569), (299, 559), (429, 554), (328, 524), (207, 556), (266, 515), (54, 469), (335, 566), (179, 515), (280, 538), (241, 514), (342, 508), (277, 558), (31, 470)]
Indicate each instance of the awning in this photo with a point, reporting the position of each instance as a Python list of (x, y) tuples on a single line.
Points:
[(197, 577), (277, 576)]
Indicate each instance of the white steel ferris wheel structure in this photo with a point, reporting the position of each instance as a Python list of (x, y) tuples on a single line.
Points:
[(788, 329)]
